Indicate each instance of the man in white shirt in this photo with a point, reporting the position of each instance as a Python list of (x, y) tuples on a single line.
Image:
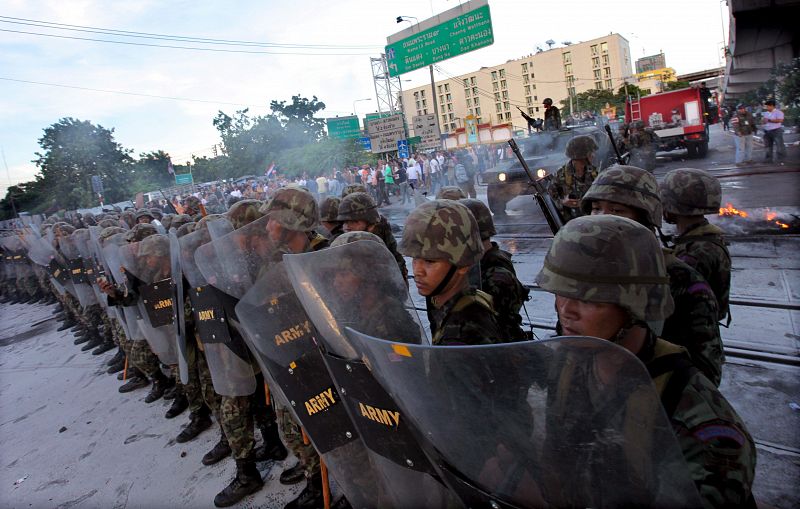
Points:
[(322, 187), (413, 174), (435, 175), (773, 130)]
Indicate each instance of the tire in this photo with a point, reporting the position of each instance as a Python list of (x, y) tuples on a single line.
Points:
[(702, 149), (691, 150), (497, 199)]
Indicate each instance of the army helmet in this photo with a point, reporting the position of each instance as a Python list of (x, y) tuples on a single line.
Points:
[(179, 220), (358, 207), (482, 215), (347, 238), (203, 223), (154, 245), (329, 209), (293, 208), (353, 188), (244, 212), (184, 229), (157, 213), (609, 259), (690, 192), (140, 232), (629, 186), (450, 193), (107, 223), (442, 230), (107, 232), (143, 213), (547, 101), (192, 202), (580, 147)]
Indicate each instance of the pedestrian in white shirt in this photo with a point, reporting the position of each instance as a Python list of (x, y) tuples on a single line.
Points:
[(773, 130)]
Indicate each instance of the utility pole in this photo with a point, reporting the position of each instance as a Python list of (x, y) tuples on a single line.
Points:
[(8, 174), (435, 100)]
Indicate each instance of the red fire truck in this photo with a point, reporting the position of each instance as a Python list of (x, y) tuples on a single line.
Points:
[(658, 113)]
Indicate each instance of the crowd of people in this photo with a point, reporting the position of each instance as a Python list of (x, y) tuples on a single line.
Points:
[(611, 276)]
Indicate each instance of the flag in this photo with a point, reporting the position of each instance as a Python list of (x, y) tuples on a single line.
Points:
[(270, 171), (170, 168)]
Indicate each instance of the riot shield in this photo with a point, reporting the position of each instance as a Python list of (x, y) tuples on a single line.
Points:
[(18, 256), (91, 266), (83, 292), (177, 294), (149, 265), (359, 285), (570, 422), (113, 261), (102, 251), (226, 353)]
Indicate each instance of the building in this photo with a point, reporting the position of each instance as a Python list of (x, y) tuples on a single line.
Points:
[(494, 94), (654, 81), (651, 63)]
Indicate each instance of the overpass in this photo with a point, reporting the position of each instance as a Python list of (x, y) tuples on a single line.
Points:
[(693, 77)]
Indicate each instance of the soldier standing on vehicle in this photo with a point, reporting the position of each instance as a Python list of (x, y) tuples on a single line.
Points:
[(632, 192), (498, 277), (443, 239), (689, 194), (610, 282), (552, 117), (574, 178)]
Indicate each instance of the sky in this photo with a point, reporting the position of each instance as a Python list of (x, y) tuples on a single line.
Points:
[(337, 41)]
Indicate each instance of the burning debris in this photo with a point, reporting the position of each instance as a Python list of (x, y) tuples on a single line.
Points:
[(758, 221)]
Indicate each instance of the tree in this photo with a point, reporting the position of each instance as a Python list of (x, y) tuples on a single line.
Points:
[(676, 85)]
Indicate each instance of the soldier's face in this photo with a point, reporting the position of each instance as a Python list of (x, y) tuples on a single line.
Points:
[(144, 219), (596, 319), (355, 226), (274, 231), (347, 284), (603, 207), (428, 274)]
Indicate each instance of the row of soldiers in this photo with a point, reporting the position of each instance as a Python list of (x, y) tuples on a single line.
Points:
[(611, 278)]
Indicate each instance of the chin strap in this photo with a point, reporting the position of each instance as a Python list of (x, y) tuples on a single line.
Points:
[(442, 285), (629, 324)]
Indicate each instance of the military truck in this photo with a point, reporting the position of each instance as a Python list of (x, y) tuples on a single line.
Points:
[(544, 153)]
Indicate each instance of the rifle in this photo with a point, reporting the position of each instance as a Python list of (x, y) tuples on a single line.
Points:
[(543, 199), (169, 202), (531, 121), (620, 158)]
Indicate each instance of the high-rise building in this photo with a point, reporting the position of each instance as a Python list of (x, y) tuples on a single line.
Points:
[(651, 63), (493, 94)]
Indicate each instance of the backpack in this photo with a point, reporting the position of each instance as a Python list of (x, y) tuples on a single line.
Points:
[(461, 174)]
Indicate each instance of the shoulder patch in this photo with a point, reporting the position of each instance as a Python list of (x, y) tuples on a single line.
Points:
[(712, 432)]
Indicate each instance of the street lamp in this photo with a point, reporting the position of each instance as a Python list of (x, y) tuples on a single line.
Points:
[(400, 19), (358, 101)]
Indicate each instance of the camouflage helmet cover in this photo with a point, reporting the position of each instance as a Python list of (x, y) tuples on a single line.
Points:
[(143, 213), (580, 147), (358, 207), (482, 215), (203, 223), (109, 231), (629, 186), (185, 228), (179, 220), (442, 230), (348, 237), (154, 245), (63, 229), (244, 212), (450, 193), (156, 213), (192, 201), (690, 192), (108, 223), (166, 221), (293, 208), (609, 259), (329, 209), (140, 232), (353, 188)]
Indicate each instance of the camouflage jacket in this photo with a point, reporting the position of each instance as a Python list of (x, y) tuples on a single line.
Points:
[(384, 230), (744, 123), (703, 248), (468, 318), (693, 325), (566, 183), (499, 279), (716, 445)]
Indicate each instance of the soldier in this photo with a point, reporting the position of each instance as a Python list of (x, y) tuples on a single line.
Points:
[(178, 221), (689, 194), (353, 188), (328, 212), (358, 212), (632, 192), (610, 282), (643, 151), (552, 117), (117, 363), (443, 239), (192, 207), (574, 178), (450, 193), (498, 277), (143, 216)]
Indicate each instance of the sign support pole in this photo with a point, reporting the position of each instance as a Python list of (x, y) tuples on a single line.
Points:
[(435, 102)]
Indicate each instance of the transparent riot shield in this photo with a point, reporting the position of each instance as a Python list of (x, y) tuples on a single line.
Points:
[(570, 422), (83, 292), (130, 314), (359, 285), (177, 294), (116, 276), (42, 253), (149, 265), (18, 256), (226, 353), (91, 265)]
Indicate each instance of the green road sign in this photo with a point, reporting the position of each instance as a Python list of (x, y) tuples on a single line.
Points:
[(185, 178), (343, 127), (428, 44), (414, 140)]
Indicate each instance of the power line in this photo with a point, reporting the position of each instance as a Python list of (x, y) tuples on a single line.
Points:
[(150, 35), (193, 48)]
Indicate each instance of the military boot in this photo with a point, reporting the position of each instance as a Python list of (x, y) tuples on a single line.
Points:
[(77, 327), (198, 423), (82, 338), (179, 404), (119, 356), (219, 452), (310, 497), (293, 475), (273, 448), (172, 392), (247, 481), (117, 367), (132, 372), (68, 324), (160, 384), (59, 309), (94, 342), (104, 347), (134, 382)]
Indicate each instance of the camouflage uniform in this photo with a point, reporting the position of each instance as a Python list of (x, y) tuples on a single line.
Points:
[(192, 207), (450, 193), (567, 183), (693, 324), (447, 230), (498, 277), (583, 261), (692, 192)]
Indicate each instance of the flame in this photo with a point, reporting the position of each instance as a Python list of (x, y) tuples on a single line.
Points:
[(770, 216), (730, 210)]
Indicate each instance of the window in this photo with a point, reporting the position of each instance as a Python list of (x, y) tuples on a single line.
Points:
[(472, 80), (502, 73), (441, 99), (447, 87), (466, 83), (478, 113), (500, 117), (598, 85), (528, 101), (449, 97), (495, 87), (424, 103), (506, 106), (530, 111), (567, 57), (597, 74), (422, 93), (416, 95), (505, 94), (466, 93), (479, 120), (444, 119), (503, 84), (474, 90), (451, 116), (527, 90), (497, 107), (609, 85), (596, 62), (477, 101), (594, 49), (536, 98), (571, 80), (469, 103), (449, 107), (525, 78), (603, 47), (568, 69), (605, 59), (470, 111), (571, 91), (494, 75), (533, 86), (497, 96), (607, 72), (532, 76), (418, 105), (524, 68), (452, 126), (425, 111), (537, 109), (508, 115), (440, 89)]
